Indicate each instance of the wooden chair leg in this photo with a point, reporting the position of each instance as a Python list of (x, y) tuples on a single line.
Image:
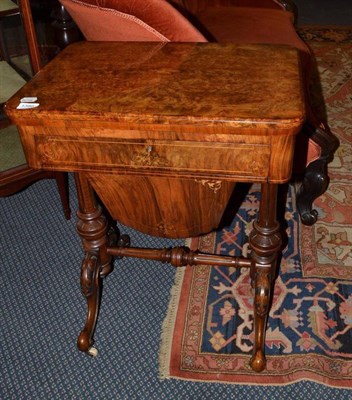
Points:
[(93, 228), (315, 179), (62, 185), (265, 241), (65, 29)]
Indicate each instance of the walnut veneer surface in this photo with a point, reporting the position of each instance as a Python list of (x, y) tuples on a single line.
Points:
[(166, 83), (204, 111), (162, 132)]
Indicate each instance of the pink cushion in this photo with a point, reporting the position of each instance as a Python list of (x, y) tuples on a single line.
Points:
[(314, 152), (127, 20), (306, 152)]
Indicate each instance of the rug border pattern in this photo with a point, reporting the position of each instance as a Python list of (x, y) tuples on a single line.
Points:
[(308, 366)]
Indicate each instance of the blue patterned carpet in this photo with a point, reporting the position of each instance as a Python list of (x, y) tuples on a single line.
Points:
[(42, 311)]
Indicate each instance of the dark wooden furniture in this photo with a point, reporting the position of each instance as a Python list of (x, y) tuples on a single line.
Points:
[(17, 178), (161, 133), (8, 9), (65, 30)]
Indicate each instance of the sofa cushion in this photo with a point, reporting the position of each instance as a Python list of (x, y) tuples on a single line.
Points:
[(126, 20)]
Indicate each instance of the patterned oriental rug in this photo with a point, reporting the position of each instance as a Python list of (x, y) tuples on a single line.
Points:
[(208, 331)]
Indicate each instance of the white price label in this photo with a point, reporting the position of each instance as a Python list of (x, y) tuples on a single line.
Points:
[(26, 106), (28, 99)]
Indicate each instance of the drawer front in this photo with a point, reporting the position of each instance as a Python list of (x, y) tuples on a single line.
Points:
[(231, 159)]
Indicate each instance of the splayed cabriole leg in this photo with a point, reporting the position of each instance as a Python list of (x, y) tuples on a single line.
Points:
[(265, 241), (314, 184), (92, 227), (90, 286), (316, 180)]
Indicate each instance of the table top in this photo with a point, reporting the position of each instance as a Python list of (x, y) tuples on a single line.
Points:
[(224, 85)]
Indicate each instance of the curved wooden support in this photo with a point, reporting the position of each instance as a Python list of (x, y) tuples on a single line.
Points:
[(314, 184), (316, 179), (262, 297), (265, 241), (90, 286), (92, 227)]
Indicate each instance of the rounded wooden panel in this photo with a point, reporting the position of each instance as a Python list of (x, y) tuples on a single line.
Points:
[(164, 207)]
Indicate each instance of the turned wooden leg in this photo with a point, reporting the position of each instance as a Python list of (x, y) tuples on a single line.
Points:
[(65, 30), (265, 241), (92, 227), (62, 185), (316, 180)]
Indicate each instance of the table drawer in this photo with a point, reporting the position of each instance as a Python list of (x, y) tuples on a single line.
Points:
[(232, 159)]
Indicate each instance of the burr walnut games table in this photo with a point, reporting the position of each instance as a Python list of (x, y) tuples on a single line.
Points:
[(160, 133)]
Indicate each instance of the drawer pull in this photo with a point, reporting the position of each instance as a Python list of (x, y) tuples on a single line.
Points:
[(149, 159)]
